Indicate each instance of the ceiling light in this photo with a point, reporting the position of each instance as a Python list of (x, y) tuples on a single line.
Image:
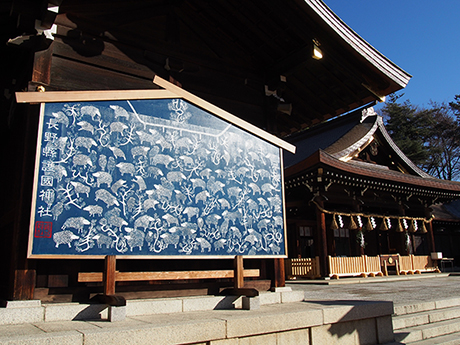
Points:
[(317, 54)]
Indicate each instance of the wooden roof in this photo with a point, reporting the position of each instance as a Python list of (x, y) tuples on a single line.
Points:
[(344, 146), (247, 57), (448, 212)]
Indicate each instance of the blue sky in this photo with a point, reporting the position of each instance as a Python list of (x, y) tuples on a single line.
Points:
[(420, 36)]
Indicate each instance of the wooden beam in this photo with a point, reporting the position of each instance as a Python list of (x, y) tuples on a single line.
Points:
[(88, 96), (224, 114), (42, 66), (90, 277)]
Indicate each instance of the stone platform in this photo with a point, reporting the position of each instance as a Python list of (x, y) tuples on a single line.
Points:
[(281, 317)]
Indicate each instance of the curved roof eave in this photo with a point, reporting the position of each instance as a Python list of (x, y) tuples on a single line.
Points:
[(361, 141), (355, 41), (416, 170)]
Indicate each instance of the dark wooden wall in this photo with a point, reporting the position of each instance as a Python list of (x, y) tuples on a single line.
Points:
[(77, 60)]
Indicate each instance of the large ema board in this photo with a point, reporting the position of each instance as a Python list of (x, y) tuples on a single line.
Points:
[(158, 176)]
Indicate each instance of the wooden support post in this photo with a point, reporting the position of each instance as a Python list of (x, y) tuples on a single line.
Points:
[(238, 283), (280, 274), (109, 274), (428, 212), (431, 243), (239, 270), (109, 279), (23, 284), (21, 279), (321, 226)]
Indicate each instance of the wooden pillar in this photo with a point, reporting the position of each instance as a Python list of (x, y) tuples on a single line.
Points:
[(22, 273), (109, 274), (21, 277), (280, 274), (295, 233), (239, 272), (406, 251), (331, 249), (23, 284), (430, 234), (322, 237), (361, 249), (356, 207), (238, 283)]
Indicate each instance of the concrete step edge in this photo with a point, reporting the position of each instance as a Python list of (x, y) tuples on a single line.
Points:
[(428, 331), (448, 339), (18, 313), (425, 317), (411, 308)]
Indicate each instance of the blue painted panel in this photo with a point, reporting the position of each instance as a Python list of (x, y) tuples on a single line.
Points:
[(156, 177)]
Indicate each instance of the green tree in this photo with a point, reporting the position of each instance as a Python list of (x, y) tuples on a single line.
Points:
[(430, 137), (455, 106), (444, 143), (409, 128)]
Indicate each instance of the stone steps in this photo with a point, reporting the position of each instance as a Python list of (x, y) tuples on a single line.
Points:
[(17, 312), (301, 322), (433, 322), (426, 317), (449, 339), (432, 330)]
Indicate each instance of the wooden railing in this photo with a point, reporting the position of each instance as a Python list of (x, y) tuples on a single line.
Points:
[(417, 264), (363, 266), (405, 264), (354, 266), (302, 268)]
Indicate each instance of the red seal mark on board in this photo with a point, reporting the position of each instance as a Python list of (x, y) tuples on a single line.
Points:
[(43, 229)]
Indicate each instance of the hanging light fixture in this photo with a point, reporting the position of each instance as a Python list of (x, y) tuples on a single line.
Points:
[(317, 53)]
